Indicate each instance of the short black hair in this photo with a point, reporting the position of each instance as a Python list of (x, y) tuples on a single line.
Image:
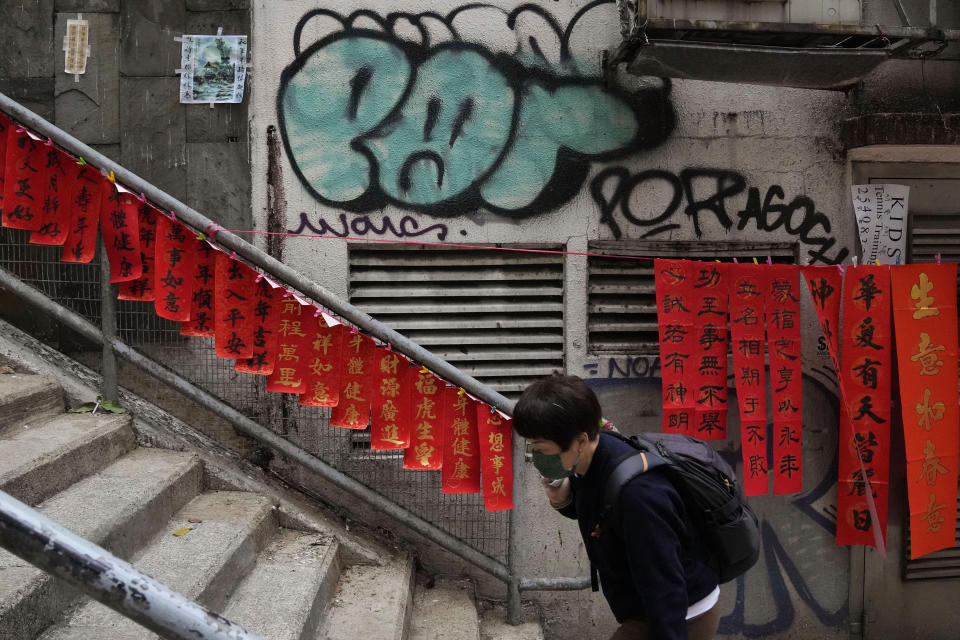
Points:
[(557, 408)]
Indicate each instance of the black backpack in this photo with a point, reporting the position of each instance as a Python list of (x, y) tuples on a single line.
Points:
[(709, 489)]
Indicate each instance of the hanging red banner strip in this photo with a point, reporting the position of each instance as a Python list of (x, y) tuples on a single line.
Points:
[(426, 435), (864, 432), (782, 308), (925, 317), (23, 185), (496, 448), (174, 268), (294, 344), (708, 376), (673, 280), (5, 127), (391, 380), (266, 311), (142, 288), (353, 410), (121, 234), (461, 444), (54, 212), (234, 295), (201, 302), (748, 284), (84, 189), (324, 371)]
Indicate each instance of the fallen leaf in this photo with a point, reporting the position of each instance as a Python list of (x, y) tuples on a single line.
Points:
[(182, 531), (195, 520), (6, 370)]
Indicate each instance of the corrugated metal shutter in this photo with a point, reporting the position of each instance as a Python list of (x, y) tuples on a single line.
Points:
[(496, 315), (934, 231), (622, 312)]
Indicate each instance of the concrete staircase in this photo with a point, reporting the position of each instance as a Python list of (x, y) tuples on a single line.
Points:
[(232, 551)]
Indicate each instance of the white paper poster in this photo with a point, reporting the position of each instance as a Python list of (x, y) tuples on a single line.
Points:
[(882, 221), (213, 69)]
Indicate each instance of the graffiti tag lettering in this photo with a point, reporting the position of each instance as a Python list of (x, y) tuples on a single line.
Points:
[(407, 227)]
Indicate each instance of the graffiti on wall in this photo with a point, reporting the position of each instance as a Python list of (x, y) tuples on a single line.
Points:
[(434, 114), (697, 193)]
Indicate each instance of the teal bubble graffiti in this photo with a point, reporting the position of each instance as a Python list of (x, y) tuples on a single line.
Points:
[(369, 119)]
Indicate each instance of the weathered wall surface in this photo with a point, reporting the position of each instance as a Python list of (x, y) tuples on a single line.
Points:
[(492, 122)]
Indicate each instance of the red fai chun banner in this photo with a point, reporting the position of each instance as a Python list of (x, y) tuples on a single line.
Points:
[(673, 280), (266, 313), (121, 233), (748, 284), (461, 446), (5, 127), (143, 287), (353, 410), (24, 187), (201, 302), (54, 212), (294, 346), (426, 435), (391, 380), (925, 317), (174, 269), (234, 295), (782, 308), (82, 194), (708, 377), (825, 285), (495, 433), (324, 371), (864, 431)]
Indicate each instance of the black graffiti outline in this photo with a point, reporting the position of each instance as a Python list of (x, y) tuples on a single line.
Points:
[(651, 108), (362, 225)]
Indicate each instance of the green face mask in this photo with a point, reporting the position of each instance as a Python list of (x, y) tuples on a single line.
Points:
[(551, 466)]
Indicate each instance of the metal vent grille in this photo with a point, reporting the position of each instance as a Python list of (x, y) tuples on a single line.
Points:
[(496, 315), (621, 309)]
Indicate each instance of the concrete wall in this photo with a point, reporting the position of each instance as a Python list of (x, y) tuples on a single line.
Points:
[(514, 85)]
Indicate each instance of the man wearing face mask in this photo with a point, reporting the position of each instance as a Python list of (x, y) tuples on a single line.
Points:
[(651, 562)]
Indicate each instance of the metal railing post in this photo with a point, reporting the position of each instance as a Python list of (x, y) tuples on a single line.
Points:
[(108, 324)]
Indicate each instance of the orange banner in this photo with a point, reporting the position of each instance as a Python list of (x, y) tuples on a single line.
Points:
[(925, 317)]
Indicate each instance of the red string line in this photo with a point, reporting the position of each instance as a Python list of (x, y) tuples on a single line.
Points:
[(443, 244)]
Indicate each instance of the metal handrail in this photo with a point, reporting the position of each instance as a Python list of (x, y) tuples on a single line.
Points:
[(51, 547), (292, 278)]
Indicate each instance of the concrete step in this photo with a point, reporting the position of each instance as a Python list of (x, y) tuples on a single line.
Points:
[(371, 602), (227, 530), (494, 626), (445, 612), (38, 462), (113, 508), (285, 595), (27, 399)]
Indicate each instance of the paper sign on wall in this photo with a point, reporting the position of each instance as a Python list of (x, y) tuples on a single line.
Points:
[(882, 221)]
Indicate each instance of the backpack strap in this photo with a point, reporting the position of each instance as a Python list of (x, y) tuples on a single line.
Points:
[(625, 469)]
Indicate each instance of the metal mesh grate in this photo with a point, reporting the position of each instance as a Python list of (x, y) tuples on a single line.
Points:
[(77, 287)]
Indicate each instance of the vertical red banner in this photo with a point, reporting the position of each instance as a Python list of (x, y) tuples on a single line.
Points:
[(425, 450), (748, 286), (234, 294), (142, 288), (353, 410), (925, 318), (864, 432), (391, 380), (294, 344), (496, 449), (266, 312), (23, 184), (84, 189), (325, 366), (782, 307), (54, 213), (673, 280), (5, 127), (709, 304), (174, 270), (201, 302), (826, 285), (121, 234), (461, 444)]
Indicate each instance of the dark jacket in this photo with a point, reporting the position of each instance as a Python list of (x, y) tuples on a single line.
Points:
[(653, 566)]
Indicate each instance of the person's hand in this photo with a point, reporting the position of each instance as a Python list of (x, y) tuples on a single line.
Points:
[(558, 492)]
